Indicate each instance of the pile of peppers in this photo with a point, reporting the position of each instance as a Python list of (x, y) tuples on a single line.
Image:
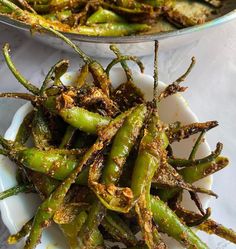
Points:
[(102, 161), (112, 17)]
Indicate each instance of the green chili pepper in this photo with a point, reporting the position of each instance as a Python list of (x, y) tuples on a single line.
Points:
[(118, 229), (81, 79), (50, 205), (43, 184), (56, 16), (71, 231), (78, 117), (122, 144), (90, 226), (25, 129), (41, 132), (112, 29), (54, 75), (82, 119), (56, 163), (195, 173), (5, 9), (66, 140), (58, 166), (151, 152), (167, 176), (148, 158), (119, 199), (169, 223), (104, 16), (128, 131)]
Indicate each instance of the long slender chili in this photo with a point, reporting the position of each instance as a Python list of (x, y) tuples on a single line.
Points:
[(151, 150), (47, 209)]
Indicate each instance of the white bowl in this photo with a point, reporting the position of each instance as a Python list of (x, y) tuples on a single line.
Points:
[(19, 209)]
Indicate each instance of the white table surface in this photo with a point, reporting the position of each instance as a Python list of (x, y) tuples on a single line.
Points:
[(211, 95)]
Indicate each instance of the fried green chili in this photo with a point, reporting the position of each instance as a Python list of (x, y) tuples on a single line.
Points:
[(170, 223)]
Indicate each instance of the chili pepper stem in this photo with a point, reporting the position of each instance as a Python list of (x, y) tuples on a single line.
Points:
[(201, 220), (205, 191), (175, 87), (60, 67), (85, 58), (125, 58), (16, 190), (156, 76), (183, 77), (25, 96), (123, 63), (30, 87), (196, 146), (205, 224)]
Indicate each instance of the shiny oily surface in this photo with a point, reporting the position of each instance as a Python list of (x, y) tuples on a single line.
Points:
[(172, 109)]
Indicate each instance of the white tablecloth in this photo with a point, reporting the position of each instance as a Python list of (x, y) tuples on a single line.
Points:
[(211, 95)]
